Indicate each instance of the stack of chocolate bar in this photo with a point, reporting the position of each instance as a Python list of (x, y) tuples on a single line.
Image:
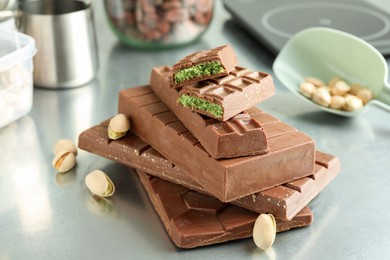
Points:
[(210, 160)]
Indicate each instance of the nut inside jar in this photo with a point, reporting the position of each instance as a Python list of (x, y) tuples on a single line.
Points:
[(159, 23)]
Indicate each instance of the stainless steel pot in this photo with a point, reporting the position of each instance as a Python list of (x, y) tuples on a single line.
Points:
[(65, 38)]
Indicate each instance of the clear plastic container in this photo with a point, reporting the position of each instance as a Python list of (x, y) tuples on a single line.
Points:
[(16, 80), (156, 24)]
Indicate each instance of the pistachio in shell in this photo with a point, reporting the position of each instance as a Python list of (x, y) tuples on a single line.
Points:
[(99, 184), (264, 231), (64, 144), (64, 161), (118, 126)]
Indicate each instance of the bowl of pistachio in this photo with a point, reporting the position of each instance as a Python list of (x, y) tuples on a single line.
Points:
[(334, 71)]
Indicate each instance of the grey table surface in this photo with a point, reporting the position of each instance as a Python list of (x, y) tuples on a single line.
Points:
[(49, 215)]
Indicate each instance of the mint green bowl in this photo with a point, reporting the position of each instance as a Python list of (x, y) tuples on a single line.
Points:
[(325, 53)]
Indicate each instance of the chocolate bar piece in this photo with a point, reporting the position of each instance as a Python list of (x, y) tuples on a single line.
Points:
[(242, 135), (291, 154), (286, 200), (192, 219), (282, 201), (224, 97), (204, 65)]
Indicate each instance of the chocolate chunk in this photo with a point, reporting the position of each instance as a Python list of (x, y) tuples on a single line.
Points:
[(224, 97), (242, 135), (192, 219), (203, 65), (282, 201), (291, 154)]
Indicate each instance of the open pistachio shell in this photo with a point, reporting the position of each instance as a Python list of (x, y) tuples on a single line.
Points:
[(264, 231), (64, 161), (99, 184)]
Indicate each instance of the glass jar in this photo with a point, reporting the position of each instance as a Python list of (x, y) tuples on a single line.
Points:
[(154, 24)]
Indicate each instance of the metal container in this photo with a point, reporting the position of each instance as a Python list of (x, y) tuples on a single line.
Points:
[(65, 38)]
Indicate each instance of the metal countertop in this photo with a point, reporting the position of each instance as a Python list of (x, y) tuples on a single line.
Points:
[(49, 215)]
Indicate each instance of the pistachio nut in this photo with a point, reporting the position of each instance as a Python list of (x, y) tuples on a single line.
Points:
[(337, 102), (352, 103), (365, 95), (99, 184), (355, 87), (315, 81), (333, 81), (340, 88), (264, 231), (64, 161), (118, 126), (322, 97), (64, 145), (307, 89), (338, 94)]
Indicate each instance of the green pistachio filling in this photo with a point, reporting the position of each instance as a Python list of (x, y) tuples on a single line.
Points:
[(200, 70), (201, 105)]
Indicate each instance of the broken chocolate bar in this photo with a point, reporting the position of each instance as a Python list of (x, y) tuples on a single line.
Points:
[(204, 65), (192, 219), (224, 97), (282, 201), (291, 154), (242, 135)]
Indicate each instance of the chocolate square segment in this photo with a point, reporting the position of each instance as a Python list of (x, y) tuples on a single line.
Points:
[(239, 136), (225, 97), (203, 65)]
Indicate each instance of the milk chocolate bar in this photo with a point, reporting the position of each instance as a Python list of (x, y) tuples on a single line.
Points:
[(204, 65), (192, 219), (224, 97), (282, 201), (291, 154), (286, 200), (242, 135)]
